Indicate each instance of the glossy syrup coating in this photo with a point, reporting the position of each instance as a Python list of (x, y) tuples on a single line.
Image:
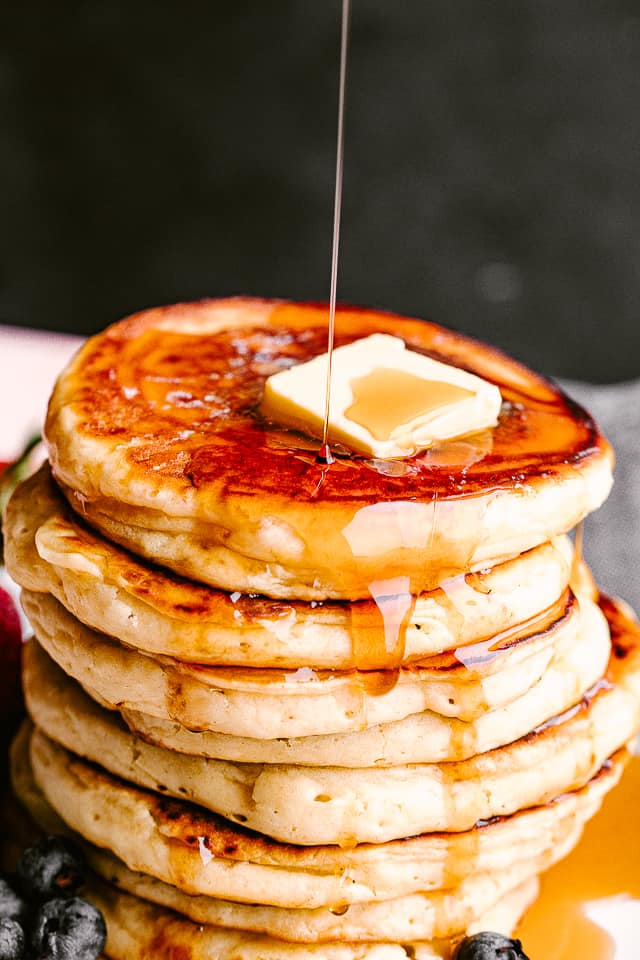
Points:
[(155, 436), (190, 402)]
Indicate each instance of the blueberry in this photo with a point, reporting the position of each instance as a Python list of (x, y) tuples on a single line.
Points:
[(12, 905), (11, 940), (53, 868), (68, 930), (489, 946)]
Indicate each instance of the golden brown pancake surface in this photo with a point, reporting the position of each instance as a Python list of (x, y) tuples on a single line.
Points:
[(190, 401), (155, 435)]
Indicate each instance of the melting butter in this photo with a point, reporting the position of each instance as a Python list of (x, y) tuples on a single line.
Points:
[(386, 401), (387, 398)]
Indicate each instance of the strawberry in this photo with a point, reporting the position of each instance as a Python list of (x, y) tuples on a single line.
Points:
[(11, 705)]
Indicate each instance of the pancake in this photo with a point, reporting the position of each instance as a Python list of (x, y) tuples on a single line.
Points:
[(438, 915), (197, 908), (421, 738), (245, 866), (49, 549), (155, 437), (139, 930), (334, 805), (271, 704)]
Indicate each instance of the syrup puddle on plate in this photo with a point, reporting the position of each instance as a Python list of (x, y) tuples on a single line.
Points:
[(589, 904)]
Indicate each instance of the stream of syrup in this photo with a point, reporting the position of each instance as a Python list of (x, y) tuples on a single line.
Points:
[(394, 604), (324, 454)]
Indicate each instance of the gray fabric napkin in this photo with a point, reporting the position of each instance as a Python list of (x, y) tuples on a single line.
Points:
[(612, 534)]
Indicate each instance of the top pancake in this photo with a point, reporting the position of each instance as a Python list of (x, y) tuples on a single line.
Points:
[(154, 435)]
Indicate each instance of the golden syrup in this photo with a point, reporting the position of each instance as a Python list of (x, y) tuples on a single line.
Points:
[(381, 639), (339, 910), (379, 631), (385, 399), (589, 906), (324, 455), (578, 556), (220, 446), (395, 603)]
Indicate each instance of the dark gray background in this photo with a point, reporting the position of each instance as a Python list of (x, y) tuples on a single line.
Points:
[(157, 151)]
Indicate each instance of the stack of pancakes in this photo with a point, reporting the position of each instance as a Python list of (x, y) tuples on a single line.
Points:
[(294, 709)]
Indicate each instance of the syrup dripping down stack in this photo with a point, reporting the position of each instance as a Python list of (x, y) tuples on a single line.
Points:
[(293, 710)]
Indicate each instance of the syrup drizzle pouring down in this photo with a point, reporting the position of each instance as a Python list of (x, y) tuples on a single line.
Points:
[(395, 604), (324, 454)]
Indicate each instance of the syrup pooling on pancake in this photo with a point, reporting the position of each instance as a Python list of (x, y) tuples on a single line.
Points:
[(154, 434), (387, 401), (384, 398), (157, 388)]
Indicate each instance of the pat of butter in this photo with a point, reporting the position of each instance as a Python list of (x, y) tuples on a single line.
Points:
[(386, 401)]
